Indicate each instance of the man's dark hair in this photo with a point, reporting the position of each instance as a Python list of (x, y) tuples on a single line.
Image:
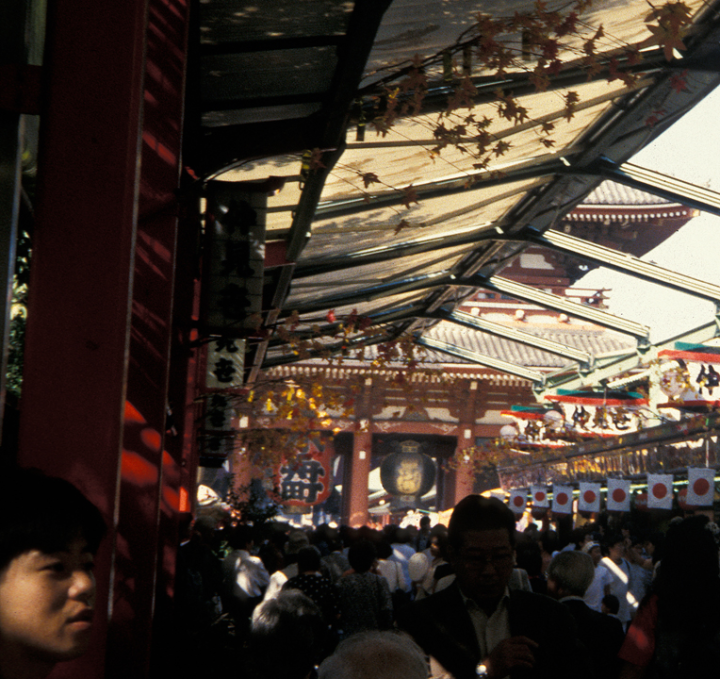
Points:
[(287, 637), (384, 549), (476, 512), (44, 513), (362, 556), (613, 539), (308, 559)]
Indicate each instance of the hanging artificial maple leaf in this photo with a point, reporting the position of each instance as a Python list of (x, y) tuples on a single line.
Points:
[(501, 148), (409, 196), (678, 82), (571, 102), (462, 96), (614, 73), (416, 84), (403, 224), (369, 178), (539, 79), (668, 25), (509, 109), (330, 316)]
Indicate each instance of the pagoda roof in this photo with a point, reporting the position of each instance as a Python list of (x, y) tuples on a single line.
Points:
[(611, 193)]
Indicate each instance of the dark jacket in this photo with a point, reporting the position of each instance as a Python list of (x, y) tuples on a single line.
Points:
[(442, 627), (602, 636)]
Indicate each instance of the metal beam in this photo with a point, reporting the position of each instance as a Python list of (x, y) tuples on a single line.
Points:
[(548, 300), (481, 359), (383, 253), (550, 164), (300, 228), (618, 366), (625, 263), (432, 280), (656, 183), (515, 335)]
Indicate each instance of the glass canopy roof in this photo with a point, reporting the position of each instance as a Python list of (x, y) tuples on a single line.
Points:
[(385, 223)]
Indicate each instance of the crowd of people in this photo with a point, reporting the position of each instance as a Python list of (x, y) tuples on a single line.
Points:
[(482, 599), (475, 599)]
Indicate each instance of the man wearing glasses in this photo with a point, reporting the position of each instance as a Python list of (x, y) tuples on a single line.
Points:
[(479, 628)]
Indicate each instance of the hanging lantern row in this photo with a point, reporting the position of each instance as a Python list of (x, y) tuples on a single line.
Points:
[(700, 492), (576, 415), (690, 376)]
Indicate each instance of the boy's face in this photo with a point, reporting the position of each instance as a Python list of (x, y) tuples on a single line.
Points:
[(46, 604)]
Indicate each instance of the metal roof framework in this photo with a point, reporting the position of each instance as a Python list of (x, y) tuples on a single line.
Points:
[(272, 83)]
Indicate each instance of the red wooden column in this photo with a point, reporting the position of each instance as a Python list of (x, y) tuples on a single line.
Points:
[(462, 480), (82, 312), (355, 486), (149, 477), (358, 479)]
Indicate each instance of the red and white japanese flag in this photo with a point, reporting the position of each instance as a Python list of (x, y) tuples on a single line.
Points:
[(539, 496), (589, 500), (618, 495), (518, 501), (562, 499), (660, 492), (701, 486)]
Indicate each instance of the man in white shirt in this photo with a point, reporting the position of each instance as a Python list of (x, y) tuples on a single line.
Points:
[(600, 585), (621, 574)]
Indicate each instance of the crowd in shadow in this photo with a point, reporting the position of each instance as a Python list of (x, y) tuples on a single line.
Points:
[(475, 599)]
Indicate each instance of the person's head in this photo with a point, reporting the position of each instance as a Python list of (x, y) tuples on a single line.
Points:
[(425, 523), (570, 574), (308, 560), (528, 556), (581, 536), (615, 543), (49, 534), (438, 545), (375, 655), (594, 550), (362, 556), (288, 635), (402, 536), (242, 536), (384, 549), (481, 538), (689, 567), (610, 604), (549, 541)]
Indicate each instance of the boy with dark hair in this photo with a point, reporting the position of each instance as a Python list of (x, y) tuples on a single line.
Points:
[(49, 534)]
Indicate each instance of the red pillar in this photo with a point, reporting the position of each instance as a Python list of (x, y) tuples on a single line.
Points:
[(148, 477), (358, 480), (101, 294)]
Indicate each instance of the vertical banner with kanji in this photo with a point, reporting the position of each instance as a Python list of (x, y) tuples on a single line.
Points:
[(307, 480)]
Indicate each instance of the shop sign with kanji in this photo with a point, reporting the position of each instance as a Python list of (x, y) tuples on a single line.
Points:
[(307, 480)]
